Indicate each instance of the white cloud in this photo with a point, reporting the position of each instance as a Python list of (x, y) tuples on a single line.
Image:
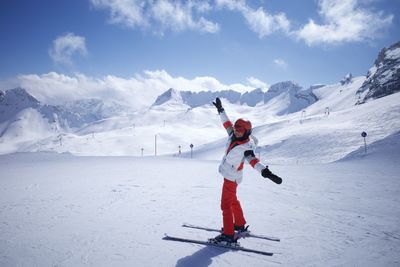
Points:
[(162, 80), (66, 46), (265, 24), (259, 21), (159, 15), (280, 63), (344, 21), (178, 17), (128, 13), (138, 91), (256, 83)]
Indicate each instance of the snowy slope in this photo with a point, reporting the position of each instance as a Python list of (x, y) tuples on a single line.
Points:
[(337, 206), (384, 149), (14, 137), (333, 124), (61, 210), (315, 136), (293, 125)]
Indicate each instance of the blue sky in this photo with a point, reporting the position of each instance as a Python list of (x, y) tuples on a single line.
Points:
[(255, 43)]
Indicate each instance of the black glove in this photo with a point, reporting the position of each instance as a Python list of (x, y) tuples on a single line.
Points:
[(266, 173), (218, 105)]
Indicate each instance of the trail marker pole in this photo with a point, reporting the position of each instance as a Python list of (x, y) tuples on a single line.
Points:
[(303, 116), (327, 111), (364, 134)]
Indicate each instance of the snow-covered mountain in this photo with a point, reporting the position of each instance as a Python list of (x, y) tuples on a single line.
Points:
[(195, 99), (71, 115), (325, 131), (14, 101), (383, 77), (25, 121), (293, 124), (290, 97), (92, 109)]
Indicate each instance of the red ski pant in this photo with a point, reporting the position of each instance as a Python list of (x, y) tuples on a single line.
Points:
[(232, 212)]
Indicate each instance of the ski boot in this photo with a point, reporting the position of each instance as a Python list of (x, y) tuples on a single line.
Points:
[(241, 228), (241, 231), (224, 239)]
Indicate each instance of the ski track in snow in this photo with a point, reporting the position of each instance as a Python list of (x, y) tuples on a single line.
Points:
[(62, 210)]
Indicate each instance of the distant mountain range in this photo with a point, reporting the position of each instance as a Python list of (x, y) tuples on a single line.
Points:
[(382, 79), (70, 115), (290, 96), (297, 97)]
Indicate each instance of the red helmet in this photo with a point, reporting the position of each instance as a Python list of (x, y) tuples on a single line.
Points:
[(243, 125)]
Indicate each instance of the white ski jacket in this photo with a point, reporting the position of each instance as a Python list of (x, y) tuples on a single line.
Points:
[(231, 166)]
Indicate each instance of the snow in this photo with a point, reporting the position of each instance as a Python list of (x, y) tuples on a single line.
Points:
[(387, 75), (252, 98), (337, 206), (333, 124), (63, 210), (13, 135), (393, 53), (314, 136), (372, 71), (20, 100)]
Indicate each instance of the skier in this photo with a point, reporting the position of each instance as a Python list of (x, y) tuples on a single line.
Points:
[(240, 146)]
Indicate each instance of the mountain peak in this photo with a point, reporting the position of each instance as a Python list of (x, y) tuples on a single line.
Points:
[(171, 95), (21, 94), (383, 78), (14, 100), (285, 86), (252, 98)]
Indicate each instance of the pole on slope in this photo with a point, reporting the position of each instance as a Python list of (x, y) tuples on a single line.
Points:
[(364, 134), (191, 151), (303, 116)]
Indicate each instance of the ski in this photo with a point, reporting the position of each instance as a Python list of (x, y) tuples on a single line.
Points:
[(237, 235), (208, 243)]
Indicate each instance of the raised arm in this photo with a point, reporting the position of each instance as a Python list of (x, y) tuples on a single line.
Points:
[(224, 118)]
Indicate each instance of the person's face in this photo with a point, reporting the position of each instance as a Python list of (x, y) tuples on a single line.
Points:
[(238, 131)]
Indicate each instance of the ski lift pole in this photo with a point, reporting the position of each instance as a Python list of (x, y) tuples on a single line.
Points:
[(364, 134)]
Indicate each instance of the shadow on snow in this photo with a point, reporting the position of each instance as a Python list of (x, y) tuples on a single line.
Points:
[(201, 258)]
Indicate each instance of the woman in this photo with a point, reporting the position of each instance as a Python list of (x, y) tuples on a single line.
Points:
[(240, 147)]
